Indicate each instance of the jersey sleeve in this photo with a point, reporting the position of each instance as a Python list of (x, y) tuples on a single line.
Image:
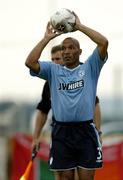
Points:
[(96, 63), (45, 104), (45, 70)]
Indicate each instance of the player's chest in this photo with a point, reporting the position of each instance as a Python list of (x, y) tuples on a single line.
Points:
[(70, 76)]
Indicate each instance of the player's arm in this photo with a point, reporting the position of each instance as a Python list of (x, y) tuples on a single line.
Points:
[(40, 121), (43, 108), (34, 55), (99, 39), (97, 120), (39, 124), (97, 117)]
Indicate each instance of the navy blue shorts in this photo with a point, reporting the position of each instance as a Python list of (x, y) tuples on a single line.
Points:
[(75, 145)]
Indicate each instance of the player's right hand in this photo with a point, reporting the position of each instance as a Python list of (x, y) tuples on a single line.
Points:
[(35, 145), (50, 32)]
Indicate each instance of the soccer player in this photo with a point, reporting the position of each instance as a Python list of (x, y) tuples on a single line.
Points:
[(44, 106), (75, 140)]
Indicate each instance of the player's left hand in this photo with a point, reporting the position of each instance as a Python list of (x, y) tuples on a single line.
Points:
[(77, 22)]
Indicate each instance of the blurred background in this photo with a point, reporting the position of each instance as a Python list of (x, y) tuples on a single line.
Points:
[(22, 25)]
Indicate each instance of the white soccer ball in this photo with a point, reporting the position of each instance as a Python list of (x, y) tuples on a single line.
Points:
[(63, 20)]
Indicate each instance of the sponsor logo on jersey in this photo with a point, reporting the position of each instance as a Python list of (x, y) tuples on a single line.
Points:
[(72, 85)]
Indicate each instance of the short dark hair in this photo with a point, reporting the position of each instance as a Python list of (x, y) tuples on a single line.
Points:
[(56, 48), (75, 41)]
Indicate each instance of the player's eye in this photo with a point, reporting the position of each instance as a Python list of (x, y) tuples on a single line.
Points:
[(71, 47)]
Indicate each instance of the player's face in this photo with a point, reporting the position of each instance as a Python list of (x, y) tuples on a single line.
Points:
[(70, 53), (57, 57)]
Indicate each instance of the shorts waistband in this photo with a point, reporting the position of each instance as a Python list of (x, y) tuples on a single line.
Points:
[(79, 123)]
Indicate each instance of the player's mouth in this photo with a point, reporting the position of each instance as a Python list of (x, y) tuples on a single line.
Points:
[(67, 58)]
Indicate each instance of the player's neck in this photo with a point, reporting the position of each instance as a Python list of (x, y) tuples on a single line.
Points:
[(72, 66)]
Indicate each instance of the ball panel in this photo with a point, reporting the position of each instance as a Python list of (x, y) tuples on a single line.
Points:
[(63, 20)]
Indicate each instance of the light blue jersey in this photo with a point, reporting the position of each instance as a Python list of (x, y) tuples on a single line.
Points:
[(73, 91)]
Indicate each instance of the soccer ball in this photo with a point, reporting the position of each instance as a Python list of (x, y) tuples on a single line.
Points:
[(63, 20)]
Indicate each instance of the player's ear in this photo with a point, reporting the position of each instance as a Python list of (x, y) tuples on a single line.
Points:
[(80, 51)]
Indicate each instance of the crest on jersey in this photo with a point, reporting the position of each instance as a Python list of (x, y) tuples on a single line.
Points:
[(81, 73)]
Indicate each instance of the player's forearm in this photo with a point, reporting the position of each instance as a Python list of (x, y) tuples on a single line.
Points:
[(97, 116), (40, 121), (33, 57), (95, 36), (38, 129), (97, 122)]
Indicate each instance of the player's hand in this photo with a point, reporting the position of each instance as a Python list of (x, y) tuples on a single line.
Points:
[(50, 32), (77, 22), (35, 145)]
